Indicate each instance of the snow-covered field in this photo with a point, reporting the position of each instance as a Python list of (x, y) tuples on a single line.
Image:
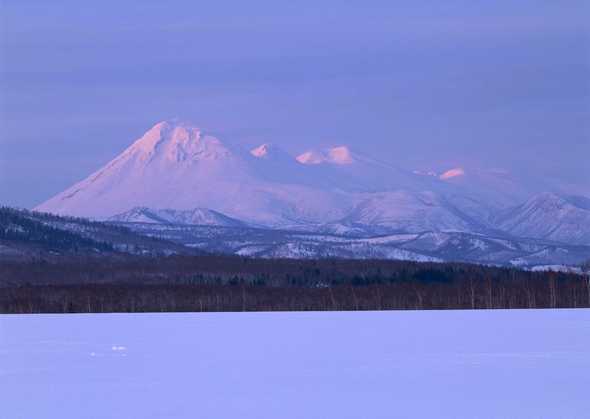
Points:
[(468, 364)]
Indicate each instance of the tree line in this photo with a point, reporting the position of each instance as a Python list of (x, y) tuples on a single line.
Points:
[(230, 283)]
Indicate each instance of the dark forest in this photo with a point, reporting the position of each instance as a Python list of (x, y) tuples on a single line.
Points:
[(228, 283)]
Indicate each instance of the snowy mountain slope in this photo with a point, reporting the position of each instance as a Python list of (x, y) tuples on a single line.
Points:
[(481, 193), (549, 216), (197, 216), (410, 212), (344, 169), (494, 185)]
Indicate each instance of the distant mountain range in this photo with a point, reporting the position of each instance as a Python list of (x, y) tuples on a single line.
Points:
[(427, 246), (32, 236), (178, 175)]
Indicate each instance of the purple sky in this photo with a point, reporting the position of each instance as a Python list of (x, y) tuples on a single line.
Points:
[(421, 84)]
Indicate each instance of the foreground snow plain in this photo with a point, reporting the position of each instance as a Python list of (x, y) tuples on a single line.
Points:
[(455, 364)]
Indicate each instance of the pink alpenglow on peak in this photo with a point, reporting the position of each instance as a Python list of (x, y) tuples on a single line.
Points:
[(449, 174), (311, 157), (340, 155), (261, 151), (166, 130)]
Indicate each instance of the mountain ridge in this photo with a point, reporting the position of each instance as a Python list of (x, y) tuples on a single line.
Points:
[(176, 169)]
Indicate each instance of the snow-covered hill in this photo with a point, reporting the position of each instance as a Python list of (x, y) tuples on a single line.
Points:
[(29, 234), (197, 216)]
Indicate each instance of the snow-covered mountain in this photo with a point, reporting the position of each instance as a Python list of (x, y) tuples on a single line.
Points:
[(178, 166), (199, 179), (549, 216)]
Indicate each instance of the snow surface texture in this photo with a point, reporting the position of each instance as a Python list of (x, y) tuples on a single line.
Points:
[(425, 364)]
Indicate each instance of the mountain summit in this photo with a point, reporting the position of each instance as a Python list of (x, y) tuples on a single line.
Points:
[(177, 142), (340, 155)]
